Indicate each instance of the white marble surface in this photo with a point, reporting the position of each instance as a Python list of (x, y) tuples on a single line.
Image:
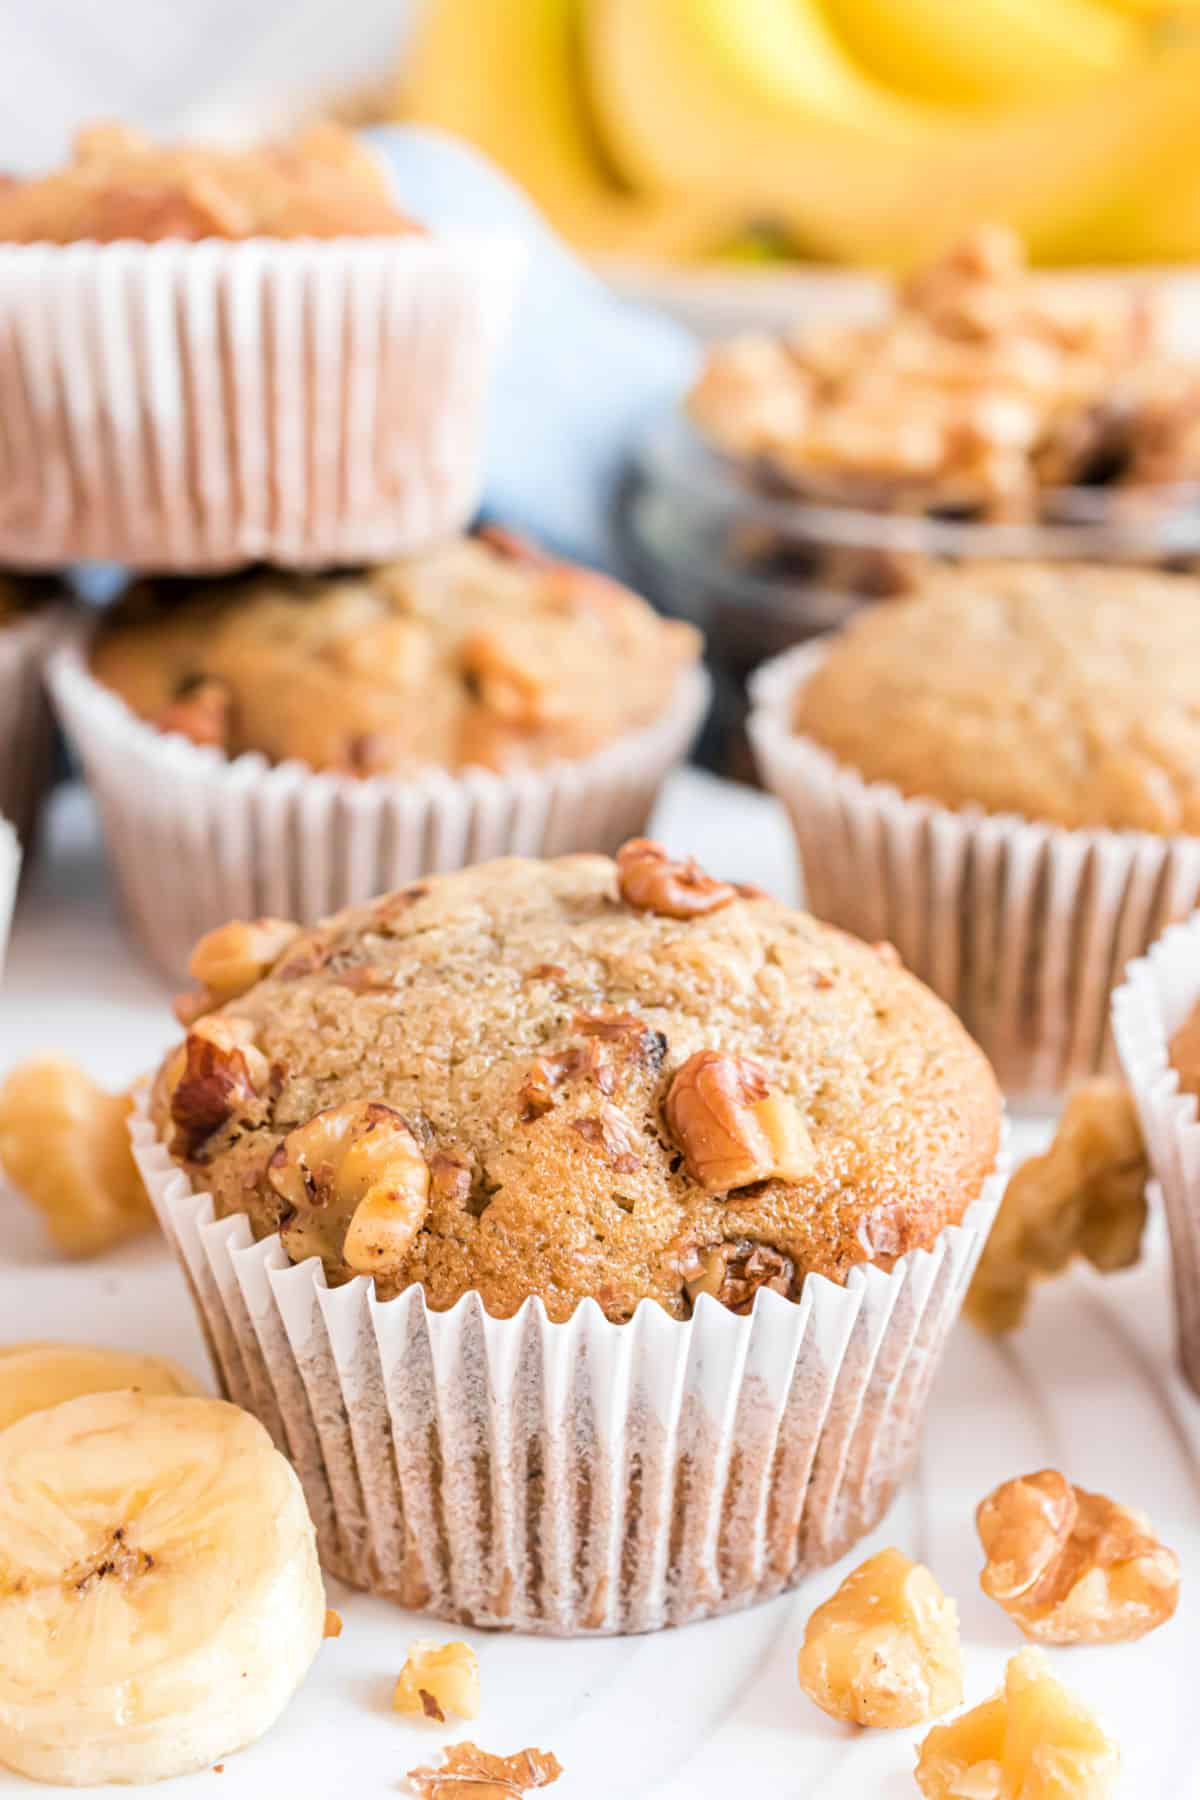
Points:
[(697, 1714)]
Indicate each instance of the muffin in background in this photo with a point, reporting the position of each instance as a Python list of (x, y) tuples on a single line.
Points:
[(209, 357), (285, 745), (669, 1195), (1002, 775), (1156, 1024), (31, 619)]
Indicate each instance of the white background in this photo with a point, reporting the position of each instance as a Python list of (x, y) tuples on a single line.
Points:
[(714, 1710), (178, 65)]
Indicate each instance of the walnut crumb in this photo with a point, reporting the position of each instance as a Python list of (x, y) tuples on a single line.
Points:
[(732, 1129), (469, 1773), (438, 1679), (1070, 1567), (1084, 1196), (651, 881)]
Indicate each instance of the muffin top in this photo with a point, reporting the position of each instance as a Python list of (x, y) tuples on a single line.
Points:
[(482, 652), (980, 389), (119, 184), (577, 1078), (1066, 693)]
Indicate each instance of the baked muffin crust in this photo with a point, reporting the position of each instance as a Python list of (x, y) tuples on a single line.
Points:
[(529, 1029), (120, 184), (482, 652), (1066, 693)]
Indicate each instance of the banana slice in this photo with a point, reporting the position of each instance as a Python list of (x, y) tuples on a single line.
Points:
[(160, 1599), (34, 1376)]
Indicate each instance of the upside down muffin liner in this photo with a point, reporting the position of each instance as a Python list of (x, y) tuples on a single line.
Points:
[(576, 1478), (1159, 992), (10, 867), (188, 406), (196, 838), (1023, 928), (26, 724)]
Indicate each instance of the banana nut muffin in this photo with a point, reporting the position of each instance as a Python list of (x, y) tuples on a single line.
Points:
[(483, 652), (577, 1078), (120, 184), (980, 393), (1068, 694)]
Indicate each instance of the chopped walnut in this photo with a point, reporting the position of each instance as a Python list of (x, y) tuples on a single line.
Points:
[(201, 711), (333, 1623), (614, 1047), (231, 960), (506, 683), (884, 1649), (449, 1177), (356, 1188), (1072, 1567), (469, 1773), (611, 1132), (219, 1071), (733, 1273), (64, 1143), (438, 1679), (513, 546), (730, 1126), (1033, 1741), (648, 879), (1086, 1195)]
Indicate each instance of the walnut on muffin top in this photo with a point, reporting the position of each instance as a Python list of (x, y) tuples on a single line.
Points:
[(577, 1078), (120, 184), (980, 390), (1066, 693), (483, 652)]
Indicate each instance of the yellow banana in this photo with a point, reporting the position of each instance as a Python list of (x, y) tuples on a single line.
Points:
[(505, 77), (758, 106), (35, 1376), (984, 53)]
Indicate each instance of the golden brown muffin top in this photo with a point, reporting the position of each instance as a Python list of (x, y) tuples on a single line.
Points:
[(482, 652), (120, 184), (1067, 693), (583, 1078), (980, 389)]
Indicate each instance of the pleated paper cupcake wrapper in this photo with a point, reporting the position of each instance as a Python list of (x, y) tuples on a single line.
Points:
[(10, 868), (1158, 993), (26, 724), (1022, 928), (196, 839), (583, 1477), (199, 406)]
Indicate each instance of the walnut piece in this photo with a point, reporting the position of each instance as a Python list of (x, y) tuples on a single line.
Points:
[(1072, 1567), (648, 879), (884, 1649), (64, 1143), (231, 960), (333, 1623), (1033, 1741), (469, 1773), (218, 1072), (438, 1679), (1086, 1195), (731, 1128), (733, 1273), (200, 711), (356, 1186)]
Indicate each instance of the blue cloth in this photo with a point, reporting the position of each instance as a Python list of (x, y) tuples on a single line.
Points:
[(582, 371)]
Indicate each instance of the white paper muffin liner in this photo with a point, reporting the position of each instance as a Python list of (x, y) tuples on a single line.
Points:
[(583, 1477), (1158, 993), (26, 724), (10, 868), (186, 406), (1022, 928), (196, 839)]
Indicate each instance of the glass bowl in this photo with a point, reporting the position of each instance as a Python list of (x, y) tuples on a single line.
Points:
[(758, 567)]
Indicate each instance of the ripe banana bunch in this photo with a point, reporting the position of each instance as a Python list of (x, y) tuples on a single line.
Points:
[(160, 1599), (35, 1376), (868, 130)]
